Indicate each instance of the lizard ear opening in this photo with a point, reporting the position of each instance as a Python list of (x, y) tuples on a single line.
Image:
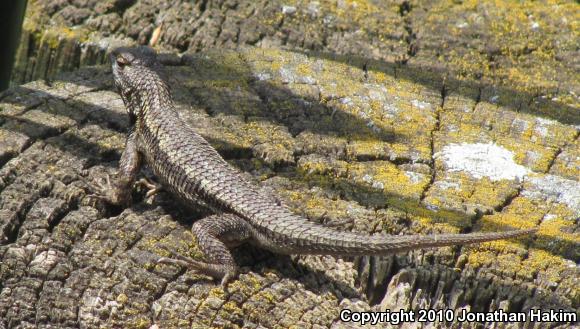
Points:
[(122, 61)]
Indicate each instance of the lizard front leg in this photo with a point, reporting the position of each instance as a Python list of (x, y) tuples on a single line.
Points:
[(214, 235), (119, 191)]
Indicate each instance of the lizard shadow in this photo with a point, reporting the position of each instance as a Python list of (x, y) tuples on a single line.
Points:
[(225, 89)]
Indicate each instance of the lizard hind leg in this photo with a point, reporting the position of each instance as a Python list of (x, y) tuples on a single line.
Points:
[(214, 234)]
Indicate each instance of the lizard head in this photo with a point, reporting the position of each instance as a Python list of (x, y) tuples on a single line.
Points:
[(136, 74)]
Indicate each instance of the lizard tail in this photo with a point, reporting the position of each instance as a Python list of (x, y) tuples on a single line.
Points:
[(308, 238)]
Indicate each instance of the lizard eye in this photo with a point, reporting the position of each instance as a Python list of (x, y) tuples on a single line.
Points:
[(122, 61)]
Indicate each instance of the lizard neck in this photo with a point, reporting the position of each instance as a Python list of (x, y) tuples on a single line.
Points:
[(155, 104)]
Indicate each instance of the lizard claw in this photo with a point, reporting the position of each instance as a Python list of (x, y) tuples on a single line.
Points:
[(182, 261), (198, 267), (153, 188), (106, 191), (100, 189), (226, 280), (179, 261), (171, 261)]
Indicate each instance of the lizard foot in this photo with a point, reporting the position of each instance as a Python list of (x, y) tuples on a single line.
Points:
[(216, 271), (108, 192), (152, 188), (100, 189)]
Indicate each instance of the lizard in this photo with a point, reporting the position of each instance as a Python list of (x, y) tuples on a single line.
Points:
[(191, 169)]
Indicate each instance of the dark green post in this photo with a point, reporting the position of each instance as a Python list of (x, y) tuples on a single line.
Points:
[(11, 16)]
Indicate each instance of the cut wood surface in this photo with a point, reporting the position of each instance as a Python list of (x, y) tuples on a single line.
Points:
[(399, 118)]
